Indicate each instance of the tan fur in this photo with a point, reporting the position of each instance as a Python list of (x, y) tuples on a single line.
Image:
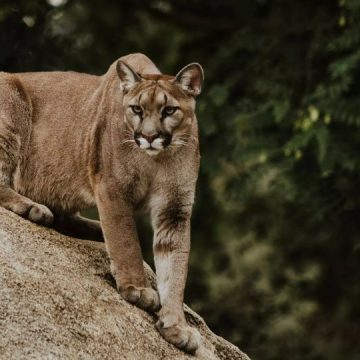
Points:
[(68, 142)]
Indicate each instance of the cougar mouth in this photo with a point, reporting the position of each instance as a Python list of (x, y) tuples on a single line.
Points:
[(153, 143), (151, 151)]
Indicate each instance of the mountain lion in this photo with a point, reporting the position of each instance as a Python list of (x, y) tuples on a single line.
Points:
[(122, 141)]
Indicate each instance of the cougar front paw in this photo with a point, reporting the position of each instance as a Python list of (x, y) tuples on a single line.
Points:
[(179, 333), (36, 213), (145, 298)]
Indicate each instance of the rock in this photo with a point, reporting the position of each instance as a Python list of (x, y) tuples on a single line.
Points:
[(58, 301)]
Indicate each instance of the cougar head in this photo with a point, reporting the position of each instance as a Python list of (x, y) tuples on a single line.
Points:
[(159, 109)]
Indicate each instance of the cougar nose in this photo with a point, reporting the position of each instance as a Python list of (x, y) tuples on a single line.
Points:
[(150, 138)]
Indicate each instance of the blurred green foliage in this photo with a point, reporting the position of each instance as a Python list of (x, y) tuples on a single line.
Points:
[(275, 264)]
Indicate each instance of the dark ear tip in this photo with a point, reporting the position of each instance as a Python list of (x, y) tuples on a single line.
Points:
[(120, 63), (190, 78), (120, 66), (123, 68), (198, 67)]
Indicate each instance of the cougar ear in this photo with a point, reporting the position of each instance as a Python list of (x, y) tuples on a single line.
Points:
[(190, 78), (127, 76)]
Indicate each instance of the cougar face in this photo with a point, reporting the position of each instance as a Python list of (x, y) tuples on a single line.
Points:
[(159, 109)]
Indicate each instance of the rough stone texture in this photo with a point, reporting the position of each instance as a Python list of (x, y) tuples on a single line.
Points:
[(57, 301)]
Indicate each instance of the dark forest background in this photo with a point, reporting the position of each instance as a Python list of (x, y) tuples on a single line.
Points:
[(275, 263)]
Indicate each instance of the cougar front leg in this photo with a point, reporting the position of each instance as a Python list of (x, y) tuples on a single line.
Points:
[(122, 244), (171, 252)]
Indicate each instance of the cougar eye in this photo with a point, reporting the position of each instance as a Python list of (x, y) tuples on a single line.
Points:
[(136, 109), (169, 110)]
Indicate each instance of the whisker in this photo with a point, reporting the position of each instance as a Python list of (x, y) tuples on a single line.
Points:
[(184, 139), (178, 144), (128, 132), (181, 138), (180, 141)]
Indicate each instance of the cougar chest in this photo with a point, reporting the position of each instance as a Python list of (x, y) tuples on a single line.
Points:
[(137, 186)]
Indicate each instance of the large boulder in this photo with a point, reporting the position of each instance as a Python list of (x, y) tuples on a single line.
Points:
[(57, 301)]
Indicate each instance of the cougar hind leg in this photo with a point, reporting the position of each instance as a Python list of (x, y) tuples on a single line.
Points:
[(15, 127), (78, 226)]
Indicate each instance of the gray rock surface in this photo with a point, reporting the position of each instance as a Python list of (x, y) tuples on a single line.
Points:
[(57, 301)]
